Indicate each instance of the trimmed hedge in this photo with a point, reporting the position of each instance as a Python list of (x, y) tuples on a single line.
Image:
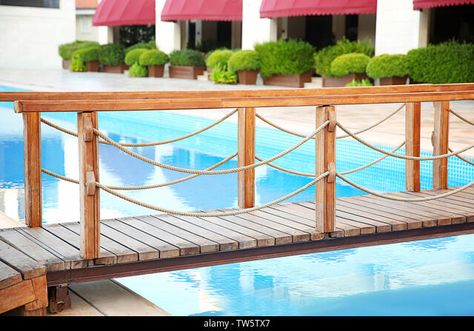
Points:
[(449, 62), (387, 65), (218, 57), (285, 57), (244, 60), (363, 82), (132, 57), (187, 57), (324, 57), (137, 70), (111, 54), (222, 75), (153, 57), (83, 55), (145, 45), (66, 51), (352, 63)]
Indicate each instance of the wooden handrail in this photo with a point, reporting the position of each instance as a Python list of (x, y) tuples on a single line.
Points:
[(15, 96), (248, 102)]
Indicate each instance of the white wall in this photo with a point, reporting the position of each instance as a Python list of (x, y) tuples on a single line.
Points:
[(84, 28), (168, 34), (30, 37), (399, 28), (255, 29)]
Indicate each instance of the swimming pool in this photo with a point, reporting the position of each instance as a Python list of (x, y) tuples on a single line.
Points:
[(359, 281)]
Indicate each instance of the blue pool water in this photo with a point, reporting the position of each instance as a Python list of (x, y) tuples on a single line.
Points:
[(412, 278)]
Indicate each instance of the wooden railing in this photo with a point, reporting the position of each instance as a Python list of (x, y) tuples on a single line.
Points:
[(87, 104)]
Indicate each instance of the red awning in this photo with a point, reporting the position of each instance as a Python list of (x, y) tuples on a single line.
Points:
[(421, 4), (206, 10), (125, 12), (282, 8)]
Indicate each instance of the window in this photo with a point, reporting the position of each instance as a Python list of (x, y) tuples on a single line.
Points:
[(31, 3)]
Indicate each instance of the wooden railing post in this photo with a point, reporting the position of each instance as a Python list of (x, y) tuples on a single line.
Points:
[(440, 141), (89, 192), (326, 161), (246, 156), (32, 165), (412, 146)]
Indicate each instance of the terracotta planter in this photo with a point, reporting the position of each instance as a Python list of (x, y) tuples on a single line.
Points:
[(156, 71), (342, 81), (248, 77), (186, 72), (93, 66), (114, 69), (289, 80), (393, 81), (66, 64)]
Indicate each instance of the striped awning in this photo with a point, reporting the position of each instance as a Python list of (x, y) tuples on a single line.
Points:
[(206, 10)]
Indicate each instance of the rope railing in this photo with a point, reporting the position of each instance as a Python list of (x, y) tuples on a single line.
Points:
[(58, 176), (405, 157), (148, 144), (389, 197), (276, 126), (462, 158), (208, 172), (211, 214), (461, 117)]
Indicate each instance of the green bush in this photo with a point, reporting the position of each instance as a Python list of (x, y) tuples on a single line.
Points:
[(153, 57), (352, 63), (363, 82), (111, 54), (324, 57), (83, 55), (132, 57), (285, 57), (187, 57), (449, 62), (137, 70), (222, 75), (387, 65), (244, 60), (67, 50), (145, 45), (218, 57)]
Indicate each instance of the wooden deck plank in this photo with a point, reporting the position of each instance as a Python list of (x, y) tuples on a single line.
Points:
[(372, 214), (8, 276), (74, 239), (21, 242), (280, 238), (57, 246), (262, 238), (16, 259), (401, 210), (123, 253), (144, 251), (205, 245), (225, 244), (165, 249), (185, 247), (242, 240)]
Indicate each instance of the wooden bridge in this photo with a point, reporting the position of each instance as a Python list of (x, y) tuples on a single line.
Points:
[(37, 257)]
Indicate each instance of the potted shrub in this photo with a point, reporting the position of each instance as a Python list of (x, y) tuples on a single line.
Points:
[(286, 63), (137, 70), (67, 50), (86, 59), (363, 82), (246, 63), (111, 56), (186, 63), (324, 57), (348, 67), (155, 60), (449, 62), (217, 58), (389, 69), (222, 75)]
